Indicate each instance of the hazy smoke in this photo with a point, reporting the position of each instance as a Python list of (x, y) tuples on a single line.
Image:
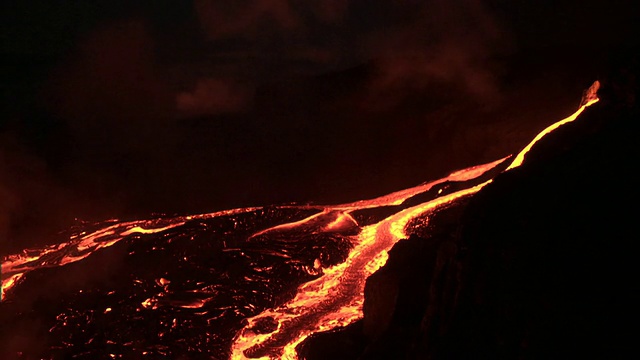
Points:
[(259, 18), (413, 44), (118, 99), (30, 199), (104, 105), (444, 42), (111, 83), (214, 96), (245, 18)]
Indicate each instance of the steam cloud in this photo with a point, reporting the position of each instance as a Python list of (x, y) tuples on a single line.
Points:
[(213, 96), (413, 44), (449, 42)]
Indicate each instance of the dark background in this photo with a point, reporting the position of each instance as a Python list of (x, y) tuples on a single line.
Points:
[(128, 108)]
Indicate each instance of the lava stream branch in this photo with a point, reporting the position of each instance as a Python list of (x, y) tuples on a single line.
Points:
[(82, 245)]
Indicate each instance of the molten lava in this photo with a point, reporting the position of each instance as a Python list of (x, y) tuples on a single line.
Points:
[(323, 254)]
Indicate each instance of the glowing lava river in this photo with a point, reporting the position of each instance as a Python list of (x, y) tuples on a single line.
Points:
[(244, 283)]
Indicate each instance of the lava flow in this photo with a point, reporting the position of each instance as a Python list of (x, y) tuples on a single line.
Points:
[(243, 283), (336, 299)]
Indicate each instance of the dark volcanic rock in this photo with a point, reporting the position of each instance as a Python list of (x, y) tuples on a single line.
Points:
[(548, 269), (344, 344)]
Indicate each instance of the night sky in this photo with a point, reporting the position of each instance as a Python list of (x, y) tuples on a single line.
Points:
[(129, 108)]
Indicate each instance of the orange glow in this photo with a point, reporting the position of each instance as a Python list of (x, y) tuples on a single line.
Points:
[(398, 197), (294, 224), (140, 230), (8, 284), (344, 219)]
